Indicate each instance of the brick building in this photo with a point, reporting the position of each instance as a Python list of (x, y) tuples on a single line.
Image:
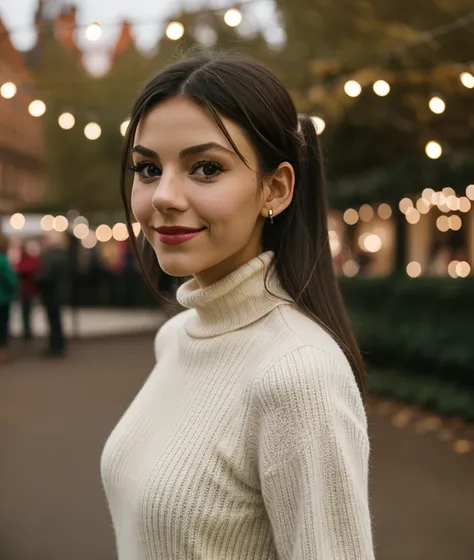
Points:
[(22, 180)]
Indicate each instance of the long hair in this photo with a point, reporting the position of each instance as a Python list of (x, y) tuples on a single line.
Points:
[(248, 94)]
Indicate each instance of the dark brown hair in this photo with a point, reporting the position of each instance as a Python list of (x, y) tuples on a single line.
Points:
[(248, 94)]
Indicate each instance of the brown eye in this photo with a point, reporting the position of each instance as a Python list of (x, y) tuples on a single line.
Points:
[(146, 170), (207, 169)]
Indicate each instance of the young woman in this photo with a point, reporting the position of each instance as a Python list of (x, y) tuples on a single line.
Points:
[(249, 438)]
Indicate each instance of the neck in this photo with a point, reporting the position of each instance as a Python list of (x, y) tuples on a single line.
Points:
[(237, 300)]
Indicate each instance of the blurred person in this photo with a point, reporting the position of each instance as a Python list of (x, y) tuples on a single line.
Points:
[(27, 268), (8, 288), (249, 438), (54, 286)]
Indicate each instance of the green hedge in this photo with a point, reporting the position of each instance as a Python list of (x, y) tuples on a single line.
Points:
[(417, 335)]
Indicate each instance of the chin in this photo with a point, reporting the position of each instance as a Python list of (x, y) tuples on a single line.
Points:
[(178, 265)]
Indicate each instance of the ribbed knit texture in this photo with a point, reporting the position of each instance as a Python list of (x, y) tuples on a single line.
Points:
[(249, 439)]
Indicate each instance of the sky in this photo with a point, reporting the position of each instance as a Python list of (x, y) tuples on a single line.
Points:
[(148, 17)]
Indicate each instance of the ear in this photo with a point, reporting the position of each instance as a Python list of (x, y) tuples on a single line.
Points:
[(279, 188)]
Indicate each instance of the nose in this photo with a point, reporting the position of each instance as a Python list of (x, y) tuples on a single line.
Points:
[(169, 194)]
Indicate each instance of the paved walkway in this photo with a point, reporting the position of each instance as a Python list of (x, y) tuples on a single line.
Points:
[(56, 415), (92, 322)]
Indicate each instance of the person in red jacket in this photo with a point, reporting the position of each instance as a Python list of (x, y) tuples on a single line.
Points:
[(27, 269)]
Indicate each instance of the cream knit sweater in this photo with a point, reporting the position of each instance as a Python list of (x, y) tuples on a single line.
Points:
[(249, 439)]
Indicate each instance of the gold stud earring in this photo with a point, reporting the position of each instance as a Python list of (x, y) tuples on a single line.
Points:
[(270, 215)]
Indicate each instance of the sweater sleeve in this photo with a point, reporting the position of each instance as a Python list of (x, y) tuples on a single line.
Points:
[(313, 458)]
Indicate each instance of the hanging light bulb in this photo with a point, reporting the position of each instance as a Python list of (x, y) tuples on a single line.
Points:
[(467, 80), (93, 32), (352, 88), (381, 88), (414, 269), (233, 17), (18, 221), (66, 121), (37, 108), (319, 124), (92, 131), (175, 30), (8, 90), (103, 233), (123, 127), (433, 150), (437, 105)]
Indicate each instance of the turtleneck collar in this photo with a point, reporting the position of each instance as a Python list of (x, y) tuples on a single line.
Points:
[(236, 301)]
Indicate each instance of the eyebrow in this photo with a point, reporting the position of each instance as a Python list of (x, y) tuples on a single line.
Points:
[(186, 152)]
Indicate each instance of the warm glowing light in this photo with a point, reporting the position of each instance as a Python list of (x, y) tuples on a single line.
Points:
[(350, 216), (384, 211), (319, 124), (464, 204), (414, 269), (47, 222), (381, 88), (8, 90), (103, 233), (60, 223), (427, 195), (18, 221), (442, 223), (448, 191), (93, 32), (452, 266), (334, 243), (119, 232), (66, 121), (467, 80), (352, 88), (470, 192), (412, 216), (175, 30), (433, 150), (437, 105), (37, 108), (452, 202), (463, 269), (405, 204), (123, 127), (350, 268), (136, 229), (92, 131), (455, 223), (90, 241), (366, 213), (81, 231), (423, 206), (372, 243), (233, 17)]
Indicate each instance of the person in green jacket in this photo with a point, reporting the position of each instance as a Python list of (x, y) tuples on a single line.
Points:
[(8, 288)]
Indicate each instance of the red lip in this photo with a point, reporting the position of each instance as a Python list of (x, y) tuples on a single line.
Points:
[(176, 230), (175, 235)]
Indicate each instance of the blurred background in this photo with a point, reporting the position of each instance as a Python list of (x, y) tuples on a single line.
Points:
[(390, 87)]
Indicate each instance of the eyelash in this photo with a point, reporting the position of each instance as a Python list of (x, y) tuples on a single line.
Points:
[(141, 166)]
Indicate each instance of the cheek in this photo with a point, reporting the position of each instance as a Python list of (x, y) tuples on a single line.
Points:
[(236, 203), (141, 200)]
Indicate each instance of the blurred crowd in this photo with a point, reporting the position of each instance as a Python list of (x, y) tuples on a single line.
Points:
[(41, 274)]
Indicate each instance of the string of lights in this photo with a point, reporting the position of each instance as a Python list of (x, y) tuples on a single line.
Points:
[(233, 17)]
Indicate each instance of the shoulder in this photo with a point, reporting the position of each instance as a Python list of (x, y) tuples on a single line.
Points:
[(307, 332), (311, 370), (168, 331)]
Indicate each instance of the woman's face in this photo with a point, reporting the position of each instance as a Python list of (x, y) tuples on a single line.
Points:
[(187, 175)]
